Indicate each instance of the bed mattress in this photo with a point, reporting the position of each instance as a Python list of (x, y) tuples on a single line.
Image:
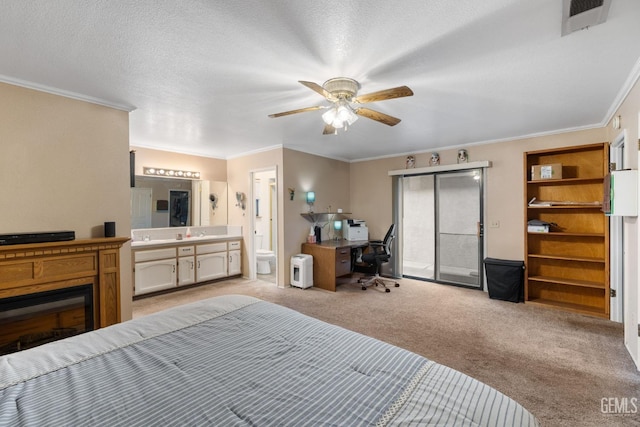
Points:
[(239, 361)]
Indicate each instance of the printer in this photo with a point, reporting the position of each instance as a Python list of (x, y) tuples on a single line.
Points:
[(355, 229)]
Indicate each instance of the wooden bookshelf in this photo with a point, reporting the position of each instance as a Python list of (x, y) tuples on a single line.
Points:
[(568, 267)]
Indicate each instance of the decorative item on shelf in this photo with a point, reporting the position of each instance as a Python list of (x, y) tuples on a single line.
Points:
[(292, 192), (240, 199), (171, 173), (311, 198), (435, 159), (411, 162), (311, 238), (463, 156)]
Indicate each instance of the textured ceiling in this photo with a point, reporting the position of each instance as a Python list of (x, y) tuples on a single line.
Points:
[(204, 75)]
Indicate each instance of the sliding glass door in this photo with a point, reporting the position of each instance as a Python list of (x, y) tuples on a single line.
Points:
[(418, 227), (442, 227)]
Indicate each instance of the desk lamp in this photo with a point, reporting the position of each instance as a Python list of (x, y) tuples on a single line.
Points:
[(337, 226)]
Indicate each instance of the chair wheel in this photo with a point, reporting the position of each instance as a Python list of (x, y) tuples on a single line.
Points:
[(364, 288), (387, 290), (397, 285)]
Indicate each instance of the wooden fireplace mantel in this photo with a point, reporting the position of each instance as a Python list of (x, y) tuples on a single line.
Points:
[(39, 267)]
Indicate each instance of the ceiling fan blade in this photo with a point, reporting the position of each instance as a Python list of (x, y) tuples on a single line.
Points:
[(329, 130), (316, 87), (396, 92), (301, 110), (377, 116)]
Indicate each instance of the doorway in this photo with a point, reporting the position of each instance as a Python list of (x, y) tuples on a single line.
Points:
[(264, 259), (442, 227), (179, 215), (616, 236), (141, 207)]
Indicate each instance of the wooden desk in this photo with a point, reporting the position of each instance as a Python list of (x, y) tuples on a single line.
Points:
[(331, 259)]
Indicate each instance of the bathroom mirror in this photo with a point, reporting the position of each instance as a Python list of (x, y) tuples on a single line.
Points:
[(168, 202)]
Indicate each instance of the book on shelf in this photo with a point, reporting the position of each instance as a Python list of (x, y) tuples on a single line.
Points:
[(534, 202), (539, 226)]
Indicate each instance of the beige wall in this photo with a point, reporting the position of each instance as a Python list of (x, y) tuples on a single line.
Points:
[(64, 166), (239, 180), (328, 178), (211, 169), (629, 113), (304, 172), (504, 185)]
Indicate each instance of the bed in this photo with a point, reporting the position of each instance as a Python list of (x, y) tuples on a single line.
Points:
[(239, 361)]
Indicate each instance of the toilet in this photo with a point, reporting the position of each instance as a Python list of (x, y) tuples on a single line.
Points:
[(264, 257)]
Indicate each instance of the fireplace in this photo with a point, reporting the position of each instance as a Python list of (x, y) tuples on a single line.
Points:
[(34, 319), (74, 286)]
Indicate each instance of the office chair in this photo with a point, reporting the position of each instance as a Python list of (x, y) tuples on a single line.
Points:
[(381, 252)]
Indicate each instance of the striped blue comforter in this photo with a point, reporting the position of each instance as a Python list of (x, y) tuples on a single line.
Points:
[(239, 361)]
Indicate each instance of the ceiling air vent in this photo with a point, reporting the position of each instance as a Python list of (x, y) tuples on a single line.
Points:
[(581, 14)]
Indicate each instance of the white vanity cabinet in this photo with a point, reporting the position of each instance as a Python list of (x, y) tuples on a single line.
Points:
[(186, 265), (154, 270), (167, 265), (235, 264), (211, 261)]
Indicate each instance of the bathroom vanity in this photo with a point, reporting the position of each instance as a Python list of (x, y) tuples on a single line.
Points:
[(166, 258)]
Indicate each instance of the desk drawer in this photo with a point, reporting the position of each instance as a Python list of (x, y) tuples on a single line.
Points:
[(343, 261)]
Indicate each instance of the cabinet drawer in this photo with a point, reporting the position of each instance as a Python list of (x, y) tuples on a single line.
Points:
[(343, 261), (210, 248), (186, 250), (154, 254), (234, 245)]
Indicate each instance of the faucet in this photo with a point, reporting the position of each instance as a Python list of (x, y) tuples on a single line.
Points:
[(201, 234)]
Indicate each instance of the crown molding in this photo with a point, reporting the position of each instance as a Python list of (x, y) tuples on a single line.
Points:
[(65, 93)]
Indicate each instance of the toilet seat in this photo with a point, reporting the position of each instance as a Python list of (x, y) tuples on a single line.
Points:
[(263, 258)]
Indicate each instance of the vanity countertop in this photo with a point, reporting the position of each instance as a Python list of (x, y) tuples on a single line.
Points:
[(145, 244)]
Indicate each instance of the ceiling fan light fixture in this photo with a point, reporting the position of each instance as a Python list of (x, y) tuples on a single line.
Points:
[(329, 116), (340, 115), (342, 93)]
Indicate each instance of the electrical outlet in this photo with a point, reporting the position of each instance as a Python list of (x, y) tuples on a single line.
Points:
[(494, 224)]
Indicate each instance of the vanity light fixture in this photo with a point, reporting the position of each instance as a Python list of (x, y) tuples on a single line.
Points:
[(171, 173)]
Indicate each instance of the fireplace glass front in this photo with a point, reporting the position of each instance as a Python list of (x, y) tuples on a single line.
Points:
[(34, 319)]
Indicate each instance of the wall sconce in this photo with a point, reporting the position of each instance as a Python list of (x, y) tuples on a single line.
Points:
[(311, 198), (171, 173), (240, 198), (292, 192), (214, 201)]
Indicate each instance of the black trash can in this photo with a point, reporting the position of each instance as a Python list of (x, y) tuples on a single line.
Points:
[(505, 279)]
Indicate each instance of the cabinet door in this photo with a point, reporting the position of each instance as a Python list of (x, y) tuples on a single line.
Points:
[(155, 275), (211, 266), (235, 266), (186, 270)]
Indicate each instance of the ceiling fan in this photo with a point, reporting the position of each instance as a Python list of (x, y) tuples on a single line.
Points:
[(342, 93)]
